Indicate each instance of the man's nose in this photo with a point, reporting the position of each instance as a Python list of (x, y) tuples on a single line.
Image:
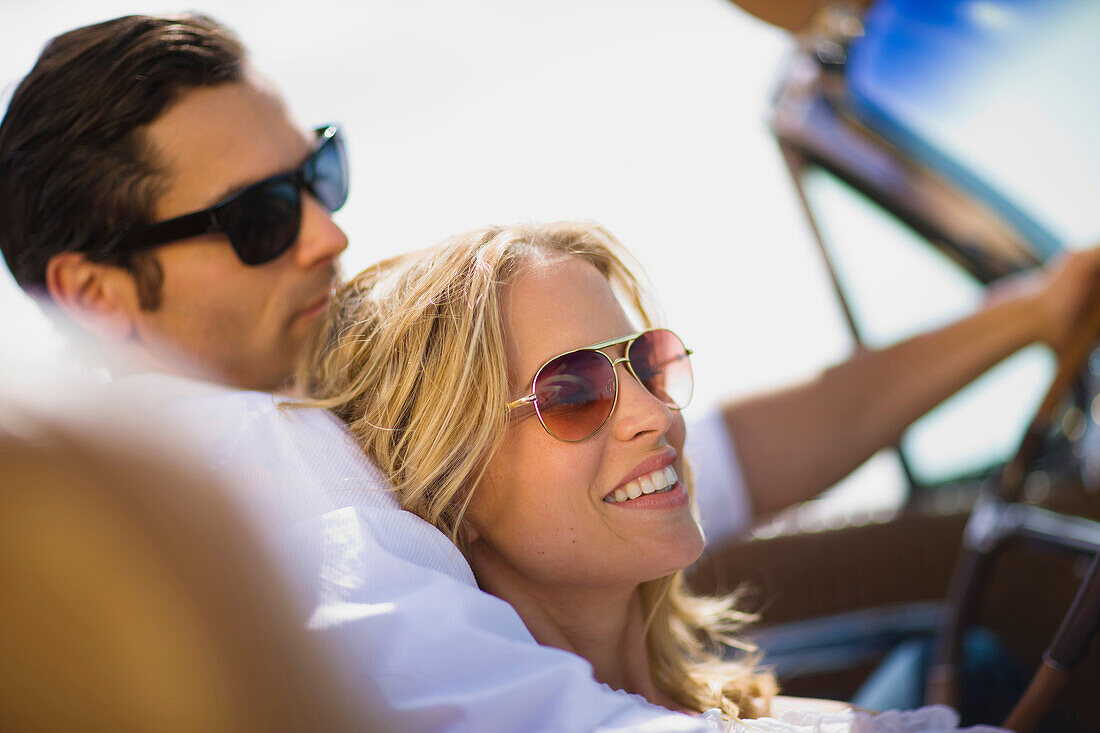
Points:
[(319, 239)]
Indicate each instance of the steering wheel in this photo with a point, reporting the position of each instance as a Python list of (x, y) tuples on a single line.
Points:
[(998, 517)]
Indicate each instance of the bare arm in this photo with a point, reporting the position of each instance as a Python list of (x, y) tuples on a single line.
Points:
[(795, 442)]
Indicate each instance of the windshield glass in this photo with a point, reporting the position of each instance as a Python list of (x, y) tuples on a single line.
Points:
[(1001, 96)]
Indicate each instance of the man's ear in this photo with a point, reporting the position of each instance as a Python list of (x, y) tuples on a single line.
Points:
[(101, 298)]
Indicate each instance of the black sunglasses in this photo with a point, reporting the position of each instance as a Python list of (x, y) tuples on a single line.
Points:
[(262, 220)]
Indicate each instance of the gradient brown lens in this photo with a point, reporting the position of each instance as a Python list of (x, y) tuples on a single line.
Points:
[(574, 394), (660, 361)]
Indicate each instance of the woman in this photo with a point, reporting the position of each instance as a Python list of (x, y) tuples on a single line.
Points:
[(422, 356), (499, 383)]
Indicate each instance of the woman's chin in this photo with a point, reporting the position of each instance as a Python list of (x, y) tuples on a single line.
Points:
[(675, 553)]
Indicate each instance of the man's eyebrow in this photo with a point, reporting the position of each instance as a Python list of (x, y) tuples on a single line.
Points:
[(235, 189), (230, 192)]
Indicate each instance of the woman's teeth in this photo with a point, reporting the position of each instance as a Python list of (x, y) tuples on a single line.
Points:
[(658, 482)]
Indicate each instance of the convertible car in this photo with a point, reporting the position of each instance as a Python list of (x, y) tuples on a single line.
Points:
[(937, 146)]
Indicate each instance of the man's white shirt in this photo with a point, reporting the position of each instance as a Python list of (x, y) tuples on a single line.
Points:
[(395, 602)]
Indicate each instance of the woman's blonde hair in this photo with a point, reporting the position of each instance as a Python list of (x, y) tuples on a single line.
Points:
[(412, 357)]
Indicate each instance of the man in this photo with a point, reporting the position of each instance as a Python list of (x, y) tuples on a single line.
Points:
[(207, 127), (142, 120), (155, 189)]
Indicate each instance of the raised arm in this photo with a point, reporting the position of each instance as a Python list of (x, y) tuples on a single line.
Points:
[(795, 442)]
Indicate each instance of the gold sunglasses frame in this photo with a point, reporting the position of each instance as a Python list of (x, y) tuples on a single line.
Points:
[(625, 358)]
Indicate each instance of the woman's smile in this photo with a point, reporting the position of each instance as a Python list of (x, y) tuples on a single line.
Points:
[(648, 484), (672, 495), (583, 513)]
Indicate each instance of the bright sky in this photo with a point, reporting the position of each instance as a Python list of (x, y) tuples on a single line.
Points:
[(646, 115)]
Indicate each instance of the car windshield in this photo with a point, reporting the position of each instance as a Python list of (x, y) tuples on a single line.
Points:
[(1002, 97), (998, 99)]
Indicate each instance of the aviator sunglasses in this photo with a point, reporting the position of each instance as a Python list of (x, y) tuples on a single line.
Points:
[(575, 393), (262, 220)]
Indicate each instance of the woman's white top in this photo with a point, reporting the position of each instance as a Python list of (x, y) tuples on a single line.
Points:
[(393, 599), (931, 719)]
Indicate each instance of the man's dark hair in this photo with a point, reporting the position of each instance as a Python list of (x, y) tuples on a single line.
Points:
[(75, 168)]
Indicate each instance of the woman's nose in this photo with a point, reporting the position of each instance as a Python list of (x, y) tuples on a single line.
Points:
[(638, 411)]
